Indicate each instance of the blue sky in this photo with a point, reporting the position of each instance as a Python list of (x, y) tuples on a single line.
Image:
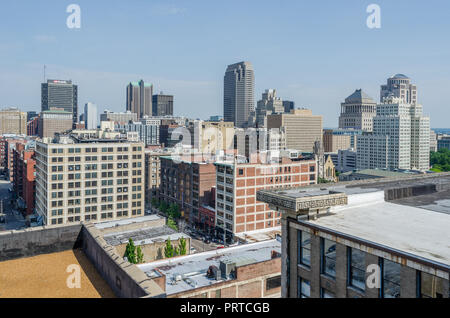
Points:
[(313, 52)]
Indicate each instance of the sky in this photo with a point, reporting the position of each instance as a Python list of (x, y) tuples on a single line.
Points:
[(315, 53)]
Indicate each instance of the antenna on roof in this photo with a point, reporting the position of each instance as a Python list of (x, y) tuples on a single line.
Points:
[(44, 72)]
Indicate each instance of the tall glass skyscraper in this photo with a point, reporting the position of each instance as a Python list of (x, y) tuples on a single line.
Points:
[(139, 98), (238, 98)]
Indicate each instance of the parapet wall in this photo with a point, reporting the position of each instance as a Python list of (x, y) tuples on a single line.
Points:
[(39, 240), (125, 279)]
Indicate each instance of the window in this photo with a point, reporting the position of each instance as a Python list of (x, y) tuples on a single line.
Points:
[(303, 288), (328, 257), (357, 265), (430, 286), (241, 172), (326, 294), (304, 248), (390, 284), (273, 282)]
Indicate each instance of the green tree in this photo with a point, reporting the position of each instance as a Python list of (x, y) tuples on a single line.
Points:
[(155, 202), (169, 250), (130, 252), (440, 160), (139, 255), (163, 206), (171, 223), (182, 246)]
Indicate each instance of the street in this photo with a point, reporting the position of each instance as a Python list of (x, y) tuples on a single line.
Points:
[(15, 220)]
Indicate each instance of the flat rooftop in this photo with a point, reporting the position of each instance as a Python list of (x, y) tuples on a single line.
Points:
[(412, 230), (45, 276), (194, 267), (143, 236), (109, 224)]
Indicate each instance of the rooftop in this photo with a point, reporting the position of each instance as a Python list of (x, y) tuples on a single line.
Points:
[(193, 268), (410, 214)]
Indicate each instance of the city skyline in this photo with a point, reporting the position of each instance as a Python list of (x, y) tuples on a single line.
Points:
[(298, 74)]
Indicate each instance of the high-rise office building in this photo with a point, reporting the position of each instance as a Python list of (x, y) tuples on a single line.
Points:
[(60, 94), (90, 116), (399, 86), (238, 99), (54, 121), (139, 98), (357, 111), (268, 104), (162, 105), (400, 138), (288, 106), (302, 128), (13, 121)]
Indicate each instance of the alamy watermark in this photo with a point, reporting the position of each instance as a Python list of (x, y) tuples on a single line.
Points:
[(374, 19), (74, 19)]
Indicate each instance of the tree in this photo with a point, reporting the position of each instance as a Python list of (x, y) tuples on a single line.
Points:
[(130, 252), (440, 160), (155, 203), (140, 255), (169, 250), (163, 206), (182, 246), (171, 223)]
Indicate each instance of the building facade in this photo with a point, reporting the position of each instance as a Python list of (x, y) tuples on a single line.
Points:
[(269, 104), (90, 116), (162, 105), (301, 128), (357, 112), (24, 177), (238, 99), (60, 94), (139, 98), (54, 121), (13, 121), (120, 118), (82, 178), (399, 86)]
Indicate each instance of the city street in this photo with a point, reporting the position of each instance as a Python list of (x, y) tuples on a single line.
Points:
[(14, 220)]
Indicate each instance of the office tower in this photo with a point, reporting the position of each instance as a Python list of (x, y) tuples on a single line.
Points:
[(162, 105), (90, 116), (139, 98), (122, 118), (60, 94), (302, 128), (13, 121), (357, 111), (91, 177), (399, 86), (359, 241), (288, 106), (54, 121), (269, 104), (238, 99), (400, 138)]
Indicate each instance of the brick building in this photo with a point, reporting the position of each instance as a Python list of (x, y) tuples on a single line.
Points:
[(32, 126), (24, 176), (237, 183), (188, 183), (244, 271)]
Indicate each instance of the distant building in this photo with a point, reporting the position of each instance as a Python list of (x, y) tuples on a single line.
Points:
[(399, 86), (13, 121), (238, 99), (31, 115), (216, 118), (54, 121), (357, 112), (90, 116), (433, 140), (24, 177), (121, 118), (346, 160), (60, 94), (269, 104), (153, 172), (288, 106), (302, 128), (443, 142), (210, 137), (400, 138), (139, 98), (162, 105), (374, 174), (336, 139), (32, 127)]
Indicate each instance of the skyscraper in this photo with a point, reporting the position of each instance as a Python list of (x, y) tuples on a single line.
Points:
[(90, 116), (399, 86), (238, 99), (268, 104), (357, 111), (60, 94), (139, 98), (162, 105)]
